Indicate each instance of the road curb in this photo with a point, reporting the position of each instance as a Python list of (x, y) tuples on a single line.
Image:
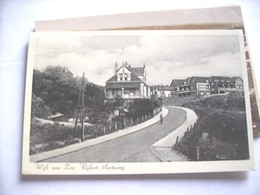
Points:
[(162, 149), (88, 143)]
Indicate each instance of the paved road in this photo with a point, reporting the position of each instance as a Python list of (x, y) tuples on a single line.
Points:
[(133, 147)]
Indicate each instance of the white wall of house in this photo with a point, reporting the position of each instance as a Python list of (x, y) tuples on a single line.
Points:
[(202, 88), (167, 93), (123, 93), (239, 84), (123, 74)]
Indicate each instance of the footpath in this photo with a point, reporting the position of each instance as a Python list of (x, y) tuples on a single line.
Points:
[(163, 149), (91, 142)]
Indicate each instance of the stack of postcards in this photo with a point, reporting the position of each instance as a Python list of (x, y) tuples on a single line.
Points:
[(140, 93)]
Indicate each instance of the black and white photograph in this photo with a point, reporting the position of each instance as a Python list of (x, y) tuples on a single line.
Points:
[(137, 102)]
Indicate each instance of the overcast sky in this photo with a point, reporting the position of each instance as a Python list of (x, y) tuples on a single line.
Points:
[(166, 57)]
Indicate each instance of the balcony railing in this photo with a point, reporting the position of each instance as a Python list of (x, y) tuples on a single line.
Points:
[(125, 96)]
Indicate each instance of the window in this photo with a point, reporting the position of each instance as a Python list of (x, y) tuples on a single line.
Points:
[(121, 77), (132, 92)]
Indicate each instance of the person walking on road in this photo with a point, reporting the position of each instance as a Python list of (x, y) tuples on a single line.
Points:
[(161, 118)]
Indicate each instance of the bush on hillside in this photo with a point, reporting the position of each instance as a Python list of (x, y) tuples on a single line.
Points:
[(141, 107), (39, 109), (232, 100), (236, 100), (223, 119), (45, 137)]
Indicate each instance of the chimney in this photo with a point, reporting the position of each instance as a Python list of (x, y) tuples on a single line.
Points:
[(116, 67)]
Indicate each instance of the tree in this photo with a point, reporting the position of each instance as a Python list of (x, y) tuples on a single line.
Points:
[(59, 90), (94, 97), (39, 109), (57, 87)]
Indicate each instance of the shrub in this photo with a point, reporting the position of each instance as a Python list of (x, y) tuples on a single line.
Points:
[(39, 109), (93, 131), (47, 135), (97, 117), (141, 107), (236, 100), (223, 118)]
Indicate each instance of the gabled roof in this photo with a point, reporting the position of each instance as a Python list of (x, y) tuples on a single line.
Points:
[(213, 78), (162, 87), (200, 79), (218, 79), (135, 72), (176, 82), (233, 79), (138, 71)]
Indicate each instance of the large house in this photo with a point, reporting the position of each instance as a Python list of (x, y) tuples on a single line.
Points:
[(192, 86), (201, 86), (127, 83)]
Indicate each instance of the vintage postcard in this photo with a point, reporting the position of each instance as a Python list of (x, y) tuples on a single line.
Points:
[(137, 102)]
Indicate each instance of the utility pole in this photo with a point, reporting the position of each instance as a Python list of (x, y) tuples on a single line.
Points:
[(80, 109)]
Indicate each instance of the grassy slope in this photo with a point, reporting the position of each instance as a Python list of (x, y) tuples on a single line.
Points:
[(221, 131)]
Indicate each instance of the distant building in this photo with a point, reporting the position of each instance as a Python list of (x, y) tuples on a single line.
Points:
[(162, 91), (127, 83), (56, 117), (201, 86), (219, 85), (175, 85)]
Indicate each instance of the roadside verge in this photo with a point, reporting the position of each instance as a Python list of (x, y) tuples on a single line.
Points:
[(98, 140), (163, 148)]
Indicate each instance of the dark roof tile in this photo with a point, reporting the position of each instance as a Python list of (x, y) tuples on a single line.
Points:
[(134, 76)]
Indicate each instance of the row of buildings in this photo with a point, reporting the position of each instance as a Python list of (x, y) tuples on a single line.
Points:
[(130, 83), (201, 86)]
